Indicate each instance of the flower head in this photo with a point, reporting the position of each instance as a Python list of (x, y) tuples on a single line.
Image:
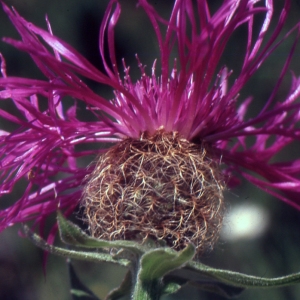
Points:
[(154, 124)]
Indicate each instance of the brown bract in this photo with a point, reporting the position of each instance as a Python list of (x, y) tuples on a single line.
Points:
[(160, 186)]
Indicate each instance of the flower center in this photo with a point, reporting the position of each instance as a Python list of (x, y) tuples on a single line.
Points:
[(160, 186)]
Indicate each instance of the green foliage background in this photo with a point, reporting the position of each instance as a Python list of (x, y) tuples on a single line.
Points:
[(276, 253)]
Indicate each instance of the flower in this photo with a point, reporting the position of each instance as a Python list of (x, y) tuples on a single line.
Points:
[(185, 108)]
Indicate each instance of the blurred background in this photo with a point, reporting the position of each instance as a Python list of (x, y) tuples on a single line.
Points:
[(261, 234)]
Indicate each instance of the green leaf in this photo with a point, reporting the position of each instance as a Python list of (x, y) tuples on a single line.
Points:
[(242, 280), (153, 266), (123, 290), (156, 263), (170, 288), (78, 290), (71, 234), (207, 285), (218, 288), (81, 255)]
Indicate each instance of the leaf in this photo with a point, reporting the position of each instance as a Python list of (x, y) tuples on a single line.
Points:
[(71, 234), (81, 255), (242, 280), (123, 290), (78, 290), (156, 263), (210, 286), (170, 288), (153, 266), (218, 288)]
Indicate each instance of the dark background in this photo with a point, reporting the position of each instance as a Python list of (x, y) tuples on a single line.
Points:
[(275, 252)]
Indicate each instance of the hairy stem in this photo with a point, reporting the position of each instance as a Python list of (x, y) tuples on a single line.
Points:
[(146, 290)]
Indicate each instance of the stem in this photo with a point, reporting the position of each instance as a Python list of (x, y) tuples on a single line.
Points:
[(146, 290)]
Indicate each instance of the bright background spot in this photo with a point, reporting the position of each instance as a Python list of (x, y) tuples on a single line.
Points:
[(245, 221)]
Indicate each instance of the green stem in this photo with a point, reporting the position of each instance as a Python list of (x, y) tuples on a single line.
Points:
[(146, 290)]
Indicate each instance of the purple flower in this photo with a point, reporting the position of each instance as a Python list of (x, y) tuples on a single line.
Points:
[(190, 97)]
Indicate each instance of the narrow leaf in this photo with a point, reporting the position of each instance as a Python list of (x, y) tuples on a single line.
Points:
[(170, 288), (242, 280), (156, 263), (81, 255), (217, 288), (71, 234), (123, 290), (78, 290), (207, 285)]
